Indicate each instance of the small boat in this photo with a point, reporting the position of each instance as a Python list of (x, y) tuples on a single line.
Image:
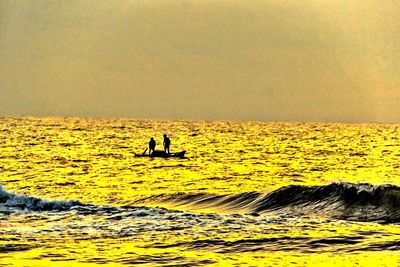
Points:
[(162, 154)]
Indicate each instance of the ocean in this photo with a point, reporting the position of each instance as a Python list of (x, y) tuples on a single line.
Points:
[(246, 194)]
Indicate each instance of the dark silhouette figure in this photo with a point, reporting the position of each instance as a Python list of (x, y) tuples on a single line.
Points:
[(152, 145), (167, 143)]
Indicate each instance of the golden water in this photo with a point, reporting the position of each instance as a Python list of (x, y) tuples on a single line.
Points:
[(130, 222)]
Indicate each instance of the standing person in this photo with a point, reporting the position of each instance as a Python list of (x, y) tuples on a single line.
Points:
[(152, 145), (167, 143)]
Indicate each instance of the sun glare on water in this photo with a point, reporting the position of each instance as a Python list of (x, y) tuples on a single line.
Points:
[(247, 193)]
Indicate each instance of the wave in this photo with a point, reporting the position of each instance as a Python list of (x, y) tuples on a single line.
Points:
[(359, 202), (12, 203), (20, 202)]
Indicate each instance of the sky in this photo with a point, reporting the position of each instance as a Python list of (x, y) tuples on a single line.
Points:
[(268, 60)]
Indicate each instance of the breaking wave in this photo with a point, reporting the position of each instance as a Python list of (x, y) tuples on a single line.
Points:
[(359, 202), (21, 202)]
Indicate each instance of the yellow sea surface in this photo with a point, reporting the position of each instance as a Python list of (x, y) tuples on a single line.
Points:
[(128, 220)]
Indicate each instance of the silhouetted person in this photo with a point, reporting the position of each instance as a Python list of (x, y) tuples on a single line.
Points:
[(167, 143), (152, 145)]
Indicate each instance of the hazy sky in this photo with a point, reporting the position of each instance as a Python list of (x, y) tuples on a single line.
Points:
[(312, 60)]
